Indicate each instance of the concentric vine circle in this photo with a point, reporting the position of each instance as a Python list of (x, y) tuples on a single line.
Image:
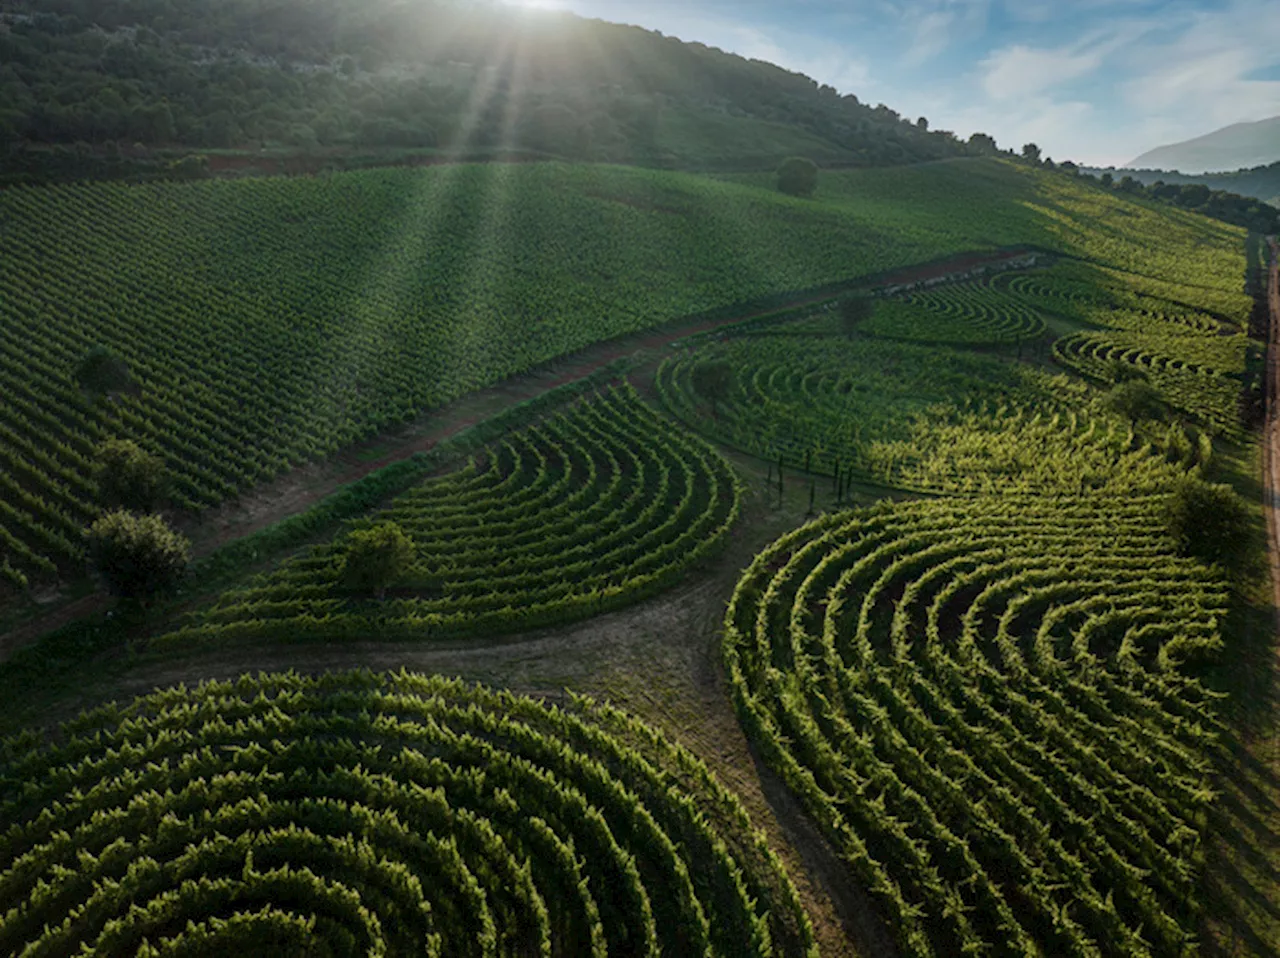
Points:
[(888, 413), (983, 703), (598, 507), (362, 814), (964, 313)]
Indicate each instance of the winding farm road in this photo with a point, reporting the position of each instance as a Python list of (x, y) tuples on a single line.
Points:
[(1271, 445), (299, 489)]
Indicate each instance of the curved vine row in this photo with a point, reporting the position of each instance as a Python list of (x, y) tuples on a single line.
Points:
[(362, 814), (593, 509), (983, 703)]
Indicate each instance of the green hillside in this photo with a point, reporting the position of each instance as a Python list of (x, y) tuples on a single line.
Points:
[(123, 87), (256, 316)]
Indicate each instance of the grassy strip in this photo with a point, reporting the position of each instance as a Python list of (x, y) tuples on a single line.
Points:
[(60, 659)]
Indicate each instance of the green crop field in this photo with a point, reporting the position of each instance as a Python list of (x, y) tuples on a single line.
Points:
[(377, 815), (984, 703), (947, 674), (921, 418), (258, 317), (595, 508)]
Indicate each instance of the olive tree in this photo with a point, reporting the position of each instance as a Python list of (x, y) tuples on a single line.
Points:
[(128, 476), (376, 558), (138, 556), (798, 176)]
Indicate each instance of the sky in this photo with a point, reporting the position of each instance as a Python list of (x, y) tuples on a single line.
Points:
[(1094, 81)]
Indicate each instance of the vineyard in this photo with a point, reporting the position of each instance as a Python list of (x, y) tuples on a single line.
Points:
[(256, 317), (361, 814), (590, 510), (984, 703), (921, 418), (978, 696)]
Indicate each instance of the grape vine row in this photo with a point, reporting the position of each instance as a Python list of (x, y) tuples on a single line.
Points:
[(363, 814)]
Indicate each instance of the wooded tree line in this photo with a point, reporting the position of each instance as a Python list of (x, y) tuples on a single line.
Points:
[(250, 73)]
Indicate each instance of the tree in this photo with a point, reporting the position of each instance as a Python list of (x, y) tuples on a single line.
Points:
[(923, 124), (128, 477), (798, 176), (1106, 180), (984, 144), (1031, 153), (713, 382), (853, 311), (1136, 399), (1209, 521), (376, 558), (1118, 371), (139, 557), (101, 372)]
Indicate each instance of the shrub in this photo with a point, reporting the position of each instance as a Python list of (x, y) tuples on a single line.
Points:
[(853, 311), (376, 558), (798, 176), (1137, 399), (1209, 522), (713, 382), (102, 371), (139, 557), (128, 477), (1118, 371)]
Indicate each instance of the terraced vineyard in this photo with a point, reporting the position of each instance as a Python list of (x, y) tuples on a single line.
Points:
[(598, 507), (983, 703), (256, 316), (378, 815), (1206, 387), (974, 313), (919, 418)]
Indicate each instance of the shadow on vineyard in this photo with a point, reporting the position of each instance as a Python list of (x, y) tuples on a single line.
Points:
[(890, 646)]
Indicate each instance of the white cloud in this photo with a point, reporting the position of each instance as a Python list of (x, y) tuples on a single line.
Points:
[(1019, 72)]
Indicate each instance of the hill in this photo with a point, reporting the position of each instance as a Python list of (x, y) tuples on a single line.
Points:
[(1236, 147), (256, 314), (1261, 182), (137, 83)]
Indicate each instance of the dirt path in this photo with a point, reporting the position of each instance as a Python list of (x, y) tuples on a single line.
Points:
[(1271, 440), (1242, 884), (297, 490), (659, 659)]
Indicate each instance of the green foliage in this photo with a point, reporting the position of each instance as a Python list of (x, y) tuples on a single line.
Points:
[(916, 417), (798, 176), (713, 382), (128, 477), (854, 311), (376, 558), (362, 814), (101, 372), (1135, 399), (355, 79), (139, 557), (1120, 372), (977, 312), (1210, 522), (296, 259), (586, 512), (988, 705)]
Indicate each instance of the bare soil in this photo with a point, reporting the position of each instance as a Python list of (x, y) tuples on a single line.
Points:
[(1243, 854)]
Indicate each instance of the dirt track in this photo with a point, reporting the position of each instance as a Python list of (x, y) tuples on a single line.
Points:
[(1271, 443), (297, 490)]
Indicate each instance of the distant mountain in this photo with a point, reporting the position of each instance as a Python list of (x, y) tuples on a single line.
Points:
[(1237, 147)]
